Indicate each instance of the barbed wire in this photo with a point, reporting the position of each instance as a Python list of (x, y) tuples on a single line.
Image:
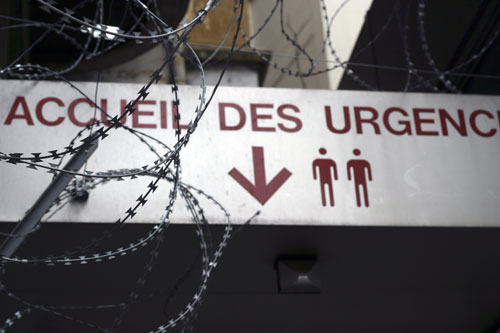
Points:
[(98, 35), (167, 164)]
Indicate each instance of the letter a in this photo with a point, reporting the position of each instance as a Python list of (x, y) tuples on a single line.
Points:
[(25, 115)]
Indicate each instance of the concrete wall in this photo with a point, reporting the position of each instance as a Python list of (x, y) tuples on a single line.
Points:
[(304, 22), (344, 32)]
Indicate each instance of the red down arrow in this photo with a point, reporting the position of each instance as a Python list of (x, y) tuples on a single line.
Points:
[(260, 190)]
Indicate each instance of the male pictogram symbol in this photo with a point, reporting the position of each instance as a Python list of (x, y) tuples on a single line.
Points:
[(325, 167), (358, 167)]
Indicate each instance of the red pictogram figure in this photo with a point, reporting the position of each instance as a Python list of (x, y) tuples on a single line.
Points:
[(325, 166), (359, 177)]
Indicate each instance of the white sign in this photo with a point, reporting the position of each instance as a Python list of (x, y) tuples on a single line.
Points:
[(299, 156)]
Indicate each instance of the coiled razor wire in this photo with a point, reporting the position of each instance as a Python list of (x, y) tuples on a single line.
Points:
[(166, 167), (148, 26)]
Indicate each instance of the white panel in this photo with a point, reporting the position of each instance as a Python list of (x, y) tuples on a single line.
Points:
[(422, 178)]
